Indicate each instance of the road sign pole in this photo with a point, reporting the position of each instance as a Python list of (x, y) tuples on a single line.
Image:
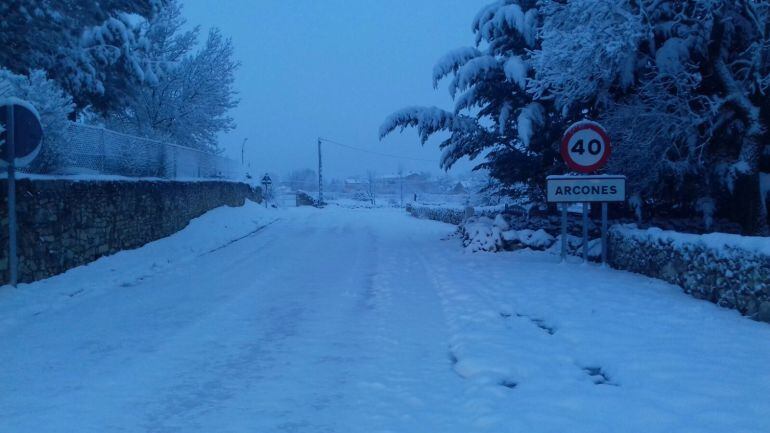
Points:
[(564, 207), (585, 232), (320, 176), (21, 147), (13, 258), (604, 233)]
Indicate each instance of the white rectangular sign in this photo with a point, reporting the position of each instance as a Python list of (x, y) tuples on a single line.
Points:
[(574, 189)]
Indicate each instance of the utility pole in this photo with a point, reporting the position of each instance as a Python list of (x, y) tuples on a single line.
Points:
[(372, 186), (320, 176), (243, 149), (401, 182)]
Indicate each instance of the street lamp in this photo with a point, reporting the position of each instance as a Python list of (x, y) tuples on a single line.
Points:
[(267, 183)]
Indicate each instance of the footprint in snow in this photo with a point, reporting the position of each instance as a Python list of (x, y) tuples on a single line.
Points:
[(540, 323), (599, 376)]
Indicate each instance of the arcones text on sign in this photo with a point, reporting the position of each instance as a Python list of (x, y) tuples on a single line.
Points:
[(574, 189)]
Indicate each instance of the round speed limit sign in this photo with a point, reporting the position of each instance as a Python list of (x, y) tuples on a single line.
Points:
[(586, 147)]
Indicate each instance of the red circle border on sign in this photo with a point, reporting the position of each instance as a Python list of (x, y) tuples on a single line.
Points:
[(565, 147)]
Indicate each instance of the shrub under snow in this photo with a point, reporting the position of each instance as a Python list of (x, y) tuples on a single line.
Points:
[(485, 234), (481, 234)]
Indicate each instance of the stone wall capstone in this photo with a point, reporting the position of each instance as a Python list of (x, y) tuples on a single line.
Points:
[(68, 223)]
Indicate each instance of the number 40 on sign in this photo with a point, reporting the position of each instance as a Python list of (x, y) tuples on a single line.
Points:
[(586, 147)]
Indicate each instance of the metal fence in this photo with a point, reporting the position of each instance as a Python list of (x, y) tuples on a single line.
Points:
[(83, 149)]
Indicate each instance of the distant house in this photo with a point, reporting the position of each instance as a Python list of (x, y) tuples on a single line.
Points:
[(411, 182), (352, 185), (393, 183), (416, 177), (458, 189)]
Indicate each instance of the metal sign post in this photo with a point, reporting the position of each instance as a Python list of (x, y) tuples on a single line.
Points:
[(10, 146), (604, 233), (21, 140), (320, 176), (585, 232), (566, 190), (564, 207), (267, 182)]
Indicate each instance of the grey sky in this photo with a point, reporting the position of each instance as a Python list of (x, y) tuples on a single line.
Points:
[(336, 69)]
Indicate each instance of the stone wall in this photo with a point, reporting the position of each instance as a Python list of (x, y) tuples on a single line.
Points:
[(729, 270), (68, 223), (456, 216)]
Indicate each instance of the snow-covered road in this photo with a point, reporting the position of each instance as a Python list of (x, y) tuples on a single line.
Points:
[(343, 320)]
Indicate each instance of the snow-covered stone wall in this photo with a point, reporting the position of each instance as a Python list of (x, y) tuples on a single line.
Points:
[(68, 223), (730, 270), (452, 215)]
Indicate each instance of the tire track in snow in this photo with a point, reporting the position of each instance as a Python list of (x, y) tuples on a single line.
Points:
[(411, 386)]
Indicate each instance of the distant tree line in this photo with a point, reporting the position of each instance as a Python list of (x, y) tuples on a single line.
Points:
[(130, 65), (681, 85)]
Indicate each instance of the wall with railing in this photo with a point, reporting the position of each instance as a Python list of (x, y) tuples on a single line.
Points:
[(65, 222), (84, 149)]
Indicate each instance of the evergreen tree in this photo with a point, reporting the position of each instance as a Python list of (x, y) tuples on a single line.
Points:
[(494, 116), (680, 85)]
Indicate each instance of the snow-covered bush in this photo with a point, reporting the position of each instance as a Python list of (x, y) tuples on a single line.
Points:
[(486, 234), (534, 239), (304, 199), (481, 234), (502, 223), (50, 101), (730, 270), (575, 247)]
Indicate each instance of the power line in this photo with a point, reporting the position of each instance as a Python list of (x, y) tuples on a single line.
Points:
[(386, 155)]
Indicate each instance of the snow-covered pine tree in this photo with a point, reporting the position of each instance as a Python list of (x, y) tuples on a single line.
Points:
[(494, 117), (681, 86), (88, 47)]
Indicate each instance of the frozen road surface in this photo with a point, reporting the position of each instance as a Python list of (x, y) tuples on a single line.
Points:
[(367, 321)]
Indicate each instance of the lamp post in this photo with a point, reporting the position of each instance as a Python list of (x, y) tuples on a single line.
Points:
[(266, 185)]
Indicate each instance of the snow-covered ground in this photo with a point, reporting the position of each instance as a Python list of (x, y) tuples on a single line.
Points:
[(367, 320)]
